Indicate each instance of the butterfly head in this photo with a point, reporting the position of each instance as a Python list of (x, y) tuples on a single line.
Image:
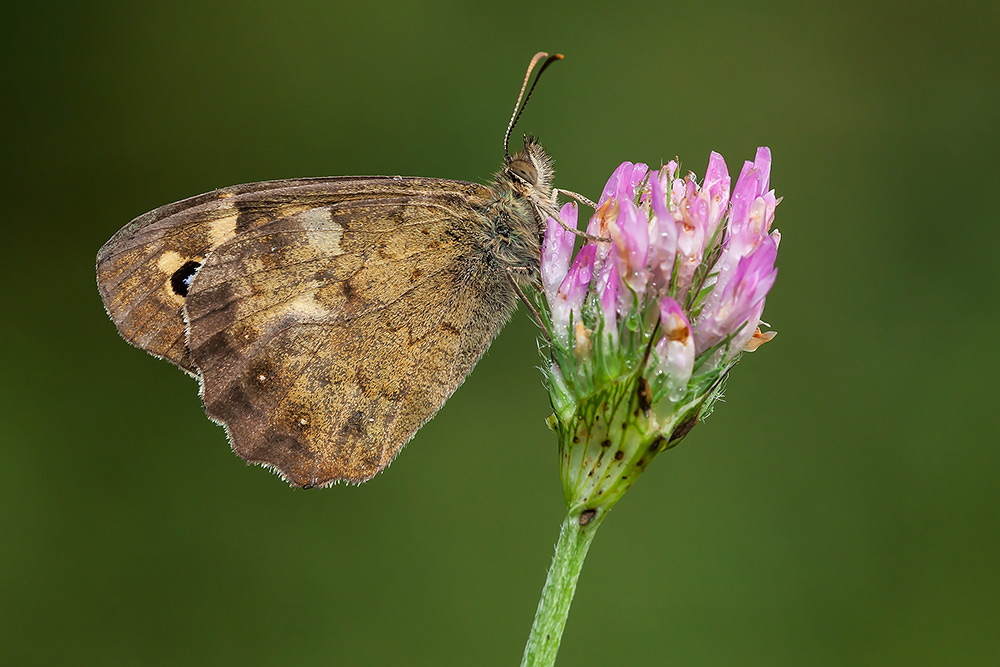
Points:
[(530, 171), (522, 201)]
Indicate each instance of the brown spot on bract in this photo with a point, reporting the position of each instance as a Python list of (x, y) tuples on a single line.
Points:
[(619, 455), (586, 516), (683, 430), (645, 396)]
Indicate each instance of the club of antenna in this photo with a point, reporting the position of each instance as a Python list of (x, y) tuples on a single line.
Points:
[(518, 106)]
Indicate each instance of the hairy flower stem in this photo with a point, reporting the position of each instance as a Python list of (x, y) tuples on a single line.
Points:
[(575, 535)]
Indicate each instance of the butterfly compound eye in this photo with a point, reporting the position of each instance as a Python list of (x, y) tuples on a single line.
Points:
[(524, 170)]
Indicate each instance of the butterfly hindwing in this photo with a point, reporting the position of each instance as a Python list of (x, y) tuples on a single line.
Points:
[(325, 338)]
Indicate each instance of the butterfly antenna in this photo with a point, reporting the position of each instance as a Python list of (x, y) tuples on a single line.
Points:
[(518, 106)]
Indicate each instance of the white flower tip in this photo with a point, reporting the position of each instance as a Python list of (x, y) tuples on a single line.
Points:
[(758, 339)]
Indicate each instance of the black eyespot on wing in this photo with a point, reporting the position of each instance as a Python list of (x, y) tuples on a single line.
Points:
[(181, 280)]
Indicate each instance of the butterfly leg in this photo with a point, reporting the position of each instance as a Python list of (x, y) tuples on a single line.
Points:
[(520, 293), (554, 214), (580, 198)]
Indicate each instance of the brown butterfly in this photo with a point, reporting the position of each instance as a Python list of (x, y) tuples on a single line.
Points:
[(326, 319)]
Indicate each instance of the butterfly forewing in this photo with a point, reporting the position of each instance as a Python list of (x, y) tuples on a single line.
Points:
[(141, 270), (144, 271)]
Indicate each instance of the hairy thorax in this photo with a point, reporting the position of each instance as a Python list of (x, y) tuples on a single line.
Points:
[(520, 201), (512, 236)]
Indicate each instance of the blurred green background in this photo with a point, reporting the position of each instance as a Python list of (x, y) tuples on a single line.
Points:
[(839, 509)]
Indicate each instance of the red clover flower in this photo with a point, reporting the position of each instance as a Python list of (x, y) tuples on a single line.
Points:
[(645, 327)]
